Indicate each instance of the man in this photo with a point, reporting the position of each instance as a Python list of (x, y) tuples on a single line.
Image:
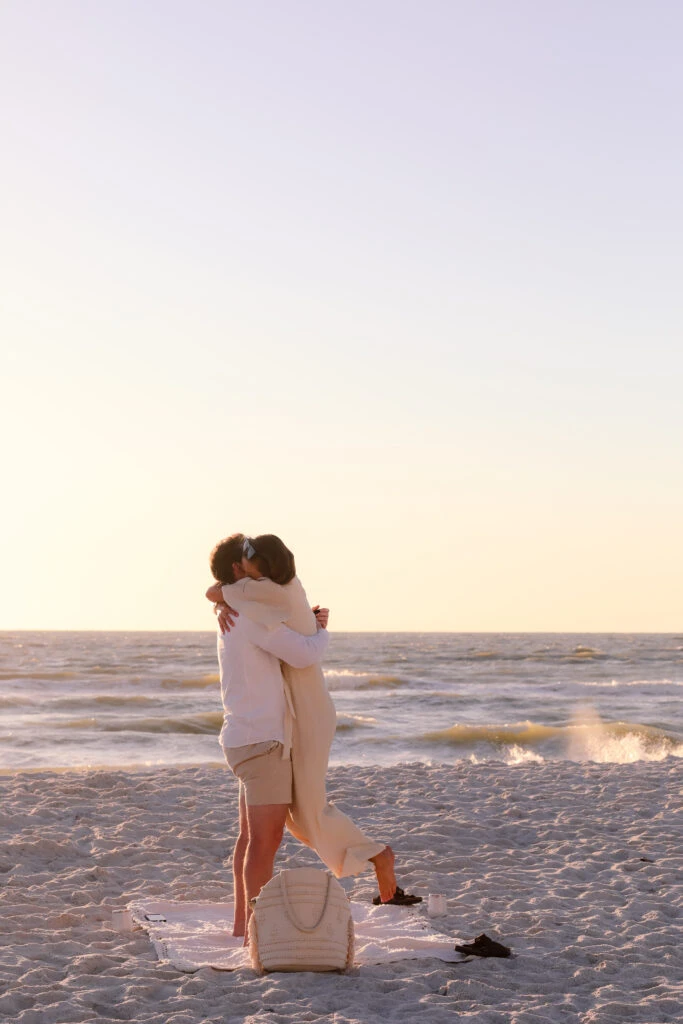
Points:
[(253, 734)]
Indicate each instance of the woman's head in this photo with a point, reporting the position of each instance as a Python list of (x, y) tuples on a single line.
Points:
[(267, 556)]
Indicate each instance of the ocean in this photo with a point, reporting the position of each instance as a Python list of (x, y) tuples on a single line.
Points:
[(75, 700)]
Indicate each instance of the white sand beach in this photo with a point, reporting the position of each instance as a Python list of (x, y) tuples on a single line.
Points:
[(577, 867)]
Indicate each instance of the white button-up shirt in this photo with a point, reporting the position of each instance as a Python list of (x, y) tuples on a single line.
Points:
[(252, 687)]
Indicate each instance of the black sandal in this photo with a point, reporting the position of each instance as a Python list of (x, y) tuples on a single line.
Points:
[(399, 899), (483, 946)]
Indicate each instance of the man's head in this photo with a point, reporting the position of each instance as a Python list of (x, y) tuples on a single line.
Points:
[(226, 559)]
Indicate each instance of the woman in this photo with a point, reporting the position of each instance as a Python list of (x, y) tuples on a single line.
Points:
[(272, 594)]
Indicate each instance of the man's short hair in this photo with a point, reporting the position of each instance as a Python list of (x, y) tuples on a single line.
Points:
[(223, 555)]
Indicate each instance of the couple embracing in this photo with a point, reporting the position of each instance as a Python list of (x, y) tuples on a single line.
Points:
[(280, 721)]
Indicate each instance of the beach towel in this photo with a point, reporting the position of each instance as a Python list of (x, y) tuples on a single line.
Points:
[(196, 935)]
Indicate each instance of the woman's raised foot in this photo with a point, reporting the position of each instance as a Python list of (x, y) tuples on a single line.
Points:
[(384, 869)]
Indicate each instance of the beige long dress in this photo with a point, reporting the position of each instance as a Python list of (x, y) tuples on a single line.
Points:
[(338, 842)]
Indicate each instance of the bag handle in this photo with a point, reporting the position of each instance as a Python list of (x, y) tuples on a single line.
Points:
[(289, 910)]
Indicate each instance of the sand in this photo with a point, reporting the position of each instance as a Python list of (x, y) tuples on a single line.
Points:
[(576, 867)]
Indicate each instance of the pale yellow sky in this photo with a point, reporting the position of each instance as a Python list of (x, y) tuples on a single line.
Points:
[(422, 324)]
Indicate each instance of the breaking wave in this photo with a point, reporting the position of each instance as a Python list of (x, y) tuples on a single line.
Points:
[(209, 722), (591, 739), (345, 723), (344, 679), (619, 684), (522, 733), (205, 722), (110, 700), (199, 683), (586, 654), (49, 676), (587, 738)]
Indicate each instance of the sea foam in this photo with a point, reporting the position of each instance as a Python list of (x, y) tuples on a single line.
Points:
[(592, 739)]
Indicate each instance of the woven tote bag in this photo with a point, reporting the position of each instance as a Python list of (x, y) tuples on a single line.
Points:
[(301, 921)]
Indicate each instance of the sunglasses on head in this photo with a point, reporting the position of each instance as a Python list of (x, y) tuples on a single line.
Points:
[(248, 549)]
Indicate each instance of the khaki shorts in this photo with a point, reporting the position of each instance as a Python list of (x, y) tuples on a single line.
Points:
[(266, 778)]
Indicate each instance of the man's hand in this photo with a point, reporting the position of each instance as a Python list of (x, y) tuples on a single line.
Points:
[(226, 616), (322, 616)]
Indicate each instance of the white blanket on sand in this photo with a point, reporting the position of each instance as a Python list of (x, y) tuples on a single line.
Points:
[(196, 935)]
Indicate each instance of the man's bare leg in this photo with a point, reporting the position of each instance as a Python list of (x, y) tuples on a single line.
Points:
[(266, 824), (384, 869), (239, 925)]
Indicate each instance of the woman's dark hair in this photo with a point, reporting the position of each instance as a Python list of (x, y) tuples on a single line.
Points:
[(272, 558), (223, 555)]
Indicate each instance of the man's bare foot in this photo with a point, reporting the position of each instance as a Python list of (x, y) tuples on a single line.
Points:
[(384, 869)]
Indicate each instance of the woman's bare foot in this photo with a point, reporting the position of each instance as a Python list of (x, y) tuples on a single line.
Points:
[(384, 869)]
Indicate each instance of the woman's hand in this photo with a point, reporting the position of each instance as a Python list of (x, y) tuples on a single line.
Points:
[(215, 594), (226, 616), (322, 616)]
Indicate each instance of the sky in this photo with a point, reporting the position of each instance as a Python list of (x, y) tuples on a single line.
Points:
[(397, 281)]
